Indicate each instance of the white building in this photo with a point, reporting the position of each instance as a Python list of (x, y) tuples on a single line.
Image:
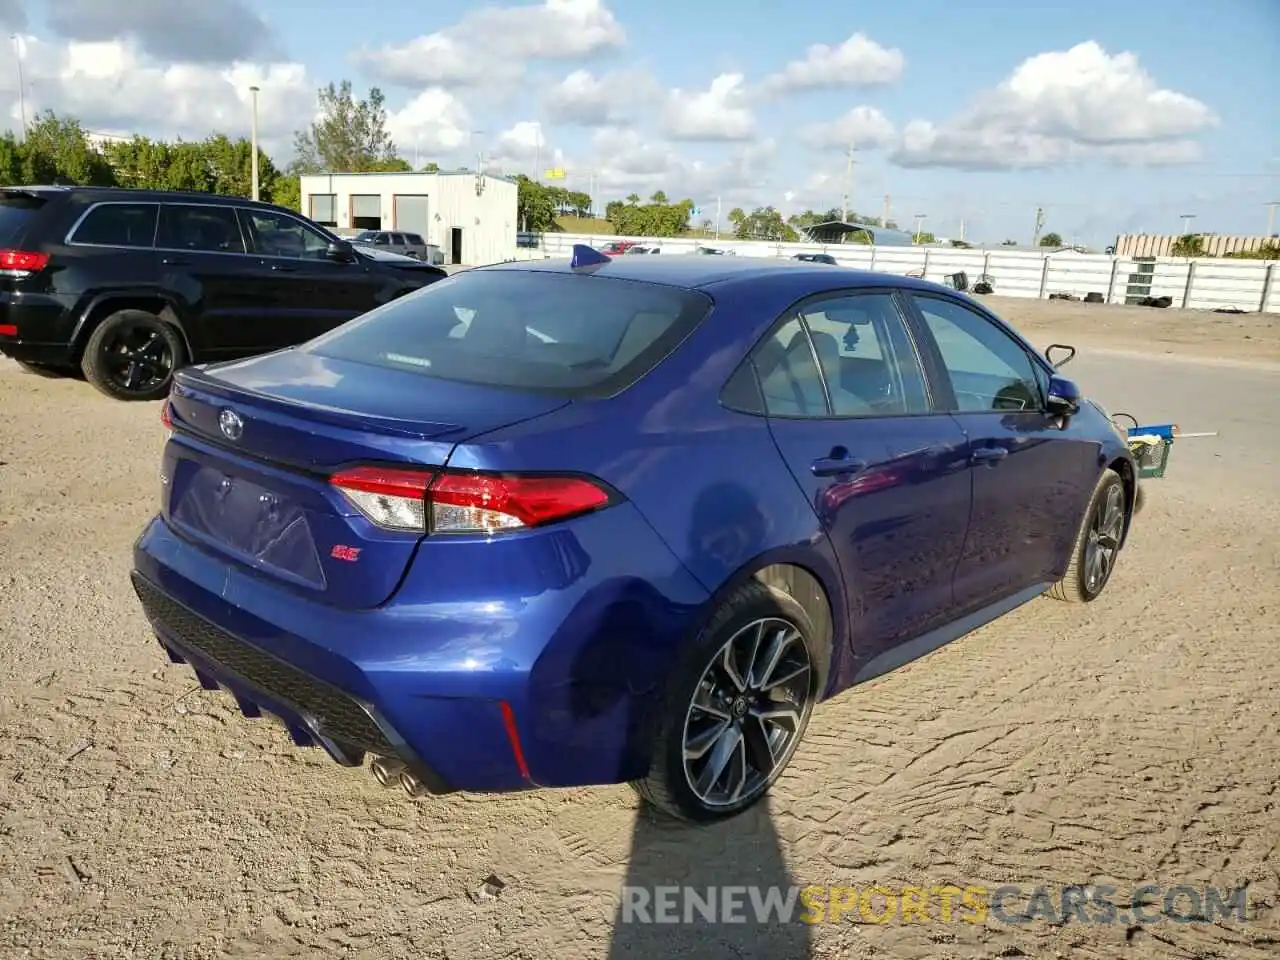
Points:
[(470, 217)]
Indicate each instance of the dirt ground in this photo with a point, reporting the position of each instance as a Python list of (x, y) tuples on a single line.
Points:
[(1132, 741)]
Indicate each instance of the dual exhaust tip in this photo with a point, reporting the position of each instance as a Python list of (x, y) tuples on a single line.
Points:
[(390, 772)]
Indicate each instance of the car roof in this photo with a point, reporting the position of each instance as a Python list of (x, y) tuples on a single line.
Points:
[(697, 272), (142, 196)]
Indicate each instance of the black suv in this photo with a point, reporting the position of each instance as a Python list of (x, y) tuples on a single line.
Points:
[(129, 285)]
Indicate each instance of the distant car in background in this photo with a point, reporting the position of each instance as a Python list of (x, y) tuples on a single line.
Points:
[(617, 248), (816, 258), (641, 249), (710, 251), (406, 244)]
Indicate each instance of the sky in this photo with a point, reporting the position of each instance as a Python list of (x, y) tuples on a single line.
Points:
[(1113, 118)]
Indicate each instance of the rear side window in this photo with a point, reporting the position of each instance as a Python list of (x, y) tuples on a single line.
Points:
[(528, 330), (413, 238), (118, 225), (16, 212)]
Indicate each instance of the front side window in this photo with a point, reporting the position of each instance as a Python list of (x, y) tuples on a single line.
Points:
[(382, 239), (118, 225), (867, 357), (275, 235), (199, 228), (523, 330), (989, 370)]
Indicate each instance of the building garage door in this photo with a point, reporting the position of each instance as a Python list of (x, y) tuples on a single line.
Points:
[(366, 211), (411, 214)]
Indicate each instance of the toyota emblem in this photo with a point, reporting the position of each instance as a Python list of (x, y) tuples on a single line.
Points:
[(231, 424)]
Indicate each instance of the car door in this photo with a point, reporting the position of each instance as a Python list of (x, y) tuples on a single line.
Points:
[(309, 293), (204, 260), (850, 410), (1032, 474)]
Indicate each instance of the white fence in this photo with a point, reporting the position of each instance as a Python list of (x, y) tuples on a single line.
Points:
[(1204, 284)]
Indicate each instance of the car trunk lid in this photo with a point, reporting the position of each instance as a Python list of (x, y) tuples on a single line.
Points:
[(256, 443)]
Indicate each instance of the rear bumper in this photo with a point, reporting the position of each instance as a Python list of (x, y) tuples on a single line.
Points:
[(487, 692), (42, 323)]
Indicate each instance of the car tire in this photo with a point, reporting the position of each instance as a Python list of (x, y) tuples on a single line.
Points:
[(1097, 546), (132, 355), (41, 370), (740, 705)]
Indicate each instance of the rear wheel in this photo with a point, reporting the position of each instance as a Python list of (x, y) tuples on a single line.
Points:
[(132, 355), (1097, 544), (736, 709)]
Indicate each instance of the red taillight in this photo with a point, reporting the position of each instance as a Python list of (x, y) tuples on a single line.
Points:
[(457, 502), (8, 329), (166, 415), (23, 261)]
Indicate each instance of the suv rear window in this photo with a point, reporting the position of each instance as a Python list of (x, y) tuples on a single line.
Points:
[(119, 225), (16, 211), (528, 330)]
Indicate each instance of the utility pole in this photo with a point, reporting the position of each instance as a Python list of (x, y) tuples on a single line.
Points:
[(962, 229), (22, 87), (1186, 222), (848, 183), (884, 213), (253, 98), (1035, 236), (537, 152), (717, 218), (1271, 217)]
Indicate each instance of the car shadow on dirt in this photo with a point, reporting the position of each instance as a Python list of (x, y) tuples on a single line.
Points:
[(715, 891)]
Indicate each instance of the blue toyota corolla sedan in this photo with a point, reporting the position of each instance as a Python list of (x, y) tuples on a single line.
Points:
[(604, 520)]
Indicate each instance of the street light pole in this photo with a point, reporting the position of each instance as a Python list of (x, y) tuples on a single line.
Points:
[(1271, 217), (1186, 222), (253, 96), (920, 219), (22, 93)]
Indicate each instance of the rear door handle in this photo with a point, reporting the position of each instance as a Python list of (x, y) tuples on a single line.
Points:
[(991, 455), (281, 268), (836, 466), (175, 262)]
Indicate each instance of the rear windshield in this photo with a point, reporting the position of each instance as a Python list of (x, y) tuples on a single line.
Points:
[(559, 333), (16, 211)]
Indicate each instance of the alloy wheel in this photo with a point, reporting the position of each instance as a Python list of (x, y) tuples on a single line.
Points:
[(1104, 540), (747, 713), (138, 358)]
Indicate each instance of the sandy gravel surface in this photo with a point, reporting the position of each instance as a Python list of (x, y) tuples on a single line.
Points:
[(1134, 741)]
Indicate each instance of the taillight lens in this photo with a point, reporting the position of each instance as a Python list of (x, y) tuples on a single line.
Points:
[(166, 416), (457, 502), (22, 261)]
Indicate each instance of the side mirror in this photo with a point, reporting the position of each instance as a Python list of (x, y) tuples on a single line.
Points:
[(341, 251), (1053, 349), (1064, 397)]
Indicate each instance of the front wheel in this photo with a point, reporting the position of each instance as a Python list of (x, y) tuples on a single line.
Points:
[(132, 355), (736, 708), (1097, 546)]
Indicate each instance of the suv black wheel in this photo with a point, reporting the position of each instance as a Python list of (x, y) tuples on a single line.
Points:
[(736, 708), (132, 355)]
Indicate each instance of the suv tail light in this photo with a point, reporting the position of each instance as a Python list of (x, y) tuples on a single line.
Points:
[(425, 501), (22, 263)]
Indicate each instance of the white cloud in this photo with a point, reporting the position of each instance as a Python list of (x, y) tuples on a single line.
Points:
[(111, 88), (627, 160), (719, 113), (866, 128), (522, 148), (431, 124), (587, 100), (489, 47), (858, 62), (1062, 107)]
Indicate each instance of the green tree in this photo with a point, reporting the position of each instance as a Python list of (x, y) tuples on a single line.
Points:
[(535, 209), (763, 223), (1051, 240), (1009, 243), (1190, 245), (10, 159), (658, 218), (286, 191), (350, 136), (57, 148), (924, 236), (431, 167)]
